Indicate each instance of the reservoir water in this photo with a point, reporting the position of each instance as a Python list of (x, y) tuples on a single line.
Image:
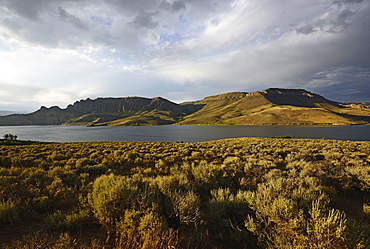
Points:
[(185, 133)]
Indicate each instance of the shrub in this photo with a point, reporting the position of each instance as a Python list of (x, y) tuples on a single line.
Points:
[(42, 240), (187, 206), (76, 220), (190, 195), (366, 209), (8, 212), (42, 203), (111, 195), (144, 230), (207, 173), (326, 229), (55, 221)]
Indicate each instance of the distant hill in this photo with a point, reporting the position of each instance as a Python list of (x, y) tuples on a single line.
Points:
[(4, 112), (273, 106)]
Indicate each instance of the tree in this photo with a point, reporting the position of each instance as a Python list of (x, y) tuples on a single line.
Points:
[(10, 137)]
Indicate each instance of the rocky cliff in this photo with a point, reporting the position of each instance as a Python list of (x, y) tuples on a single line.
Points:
[(121, 105), (295, 97), (125, 106)]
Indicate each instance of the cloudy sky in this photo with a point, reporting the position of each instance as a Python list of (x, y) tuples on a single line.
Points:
[(54, 52)]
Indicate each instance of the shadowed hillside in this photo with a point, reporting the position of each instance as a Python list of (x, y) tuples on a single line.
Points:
[(44, 116), (101, 111), (295, 97)]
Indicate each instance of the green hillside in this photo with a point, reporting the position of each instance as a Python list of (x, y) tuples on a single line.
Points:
[(155, 117), (276, 107)]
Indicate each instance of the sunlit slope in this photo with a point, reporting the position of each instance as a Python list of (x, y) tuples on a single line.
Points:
[(289, 115), (221, 108), (155, 117), (274, 106)]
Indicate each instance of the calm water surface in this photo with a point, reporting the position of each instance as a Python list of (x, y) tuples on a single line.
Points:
[(177, 133)]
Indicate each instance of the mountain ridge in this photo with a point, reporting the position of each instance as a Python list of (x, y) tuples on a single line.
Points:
[(273, 106)]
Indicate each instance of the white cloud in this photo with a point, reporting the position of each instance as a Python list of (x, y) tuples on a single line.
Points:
[(54, 52)]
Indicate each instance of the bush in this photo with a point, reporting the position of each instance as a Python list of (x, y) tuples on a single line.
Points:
[(8, 212), (55, 221), (187, 206), (77, 220), (366, 209), (281, 192), (110, 196)]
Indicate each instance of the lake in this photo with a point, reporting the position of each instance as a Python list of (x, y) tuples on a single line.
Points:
[(177, 133)]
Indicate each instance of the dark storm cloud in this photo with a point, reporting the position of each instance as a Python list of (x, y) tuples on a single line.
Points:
[(144, 20), (348, 1), (344, 18), (341, 84), (177, 6), (64, 15), (71, 23), (40, 22), (174, 7), (11, 24), (133, 6), (29, 9), (338, 23), (306, 30)]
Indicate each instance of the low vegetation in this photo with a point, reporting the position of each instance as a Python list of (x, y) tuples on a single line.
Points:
[(239, 193)]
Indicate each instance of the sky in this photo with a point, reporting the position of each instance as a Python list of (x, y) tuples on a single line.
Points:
[(56, 52)]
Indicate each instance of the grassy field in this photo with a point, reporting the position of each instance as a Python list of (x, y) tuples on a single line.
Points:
[(244, 193)]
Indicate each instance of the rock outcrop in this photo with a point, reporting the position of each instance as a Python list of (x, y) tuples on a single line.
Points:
[(55, 115), (295, 97)]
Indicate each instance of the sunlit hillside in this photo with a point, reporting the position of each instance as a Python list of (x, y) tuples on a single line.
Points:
[(274, 107)]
